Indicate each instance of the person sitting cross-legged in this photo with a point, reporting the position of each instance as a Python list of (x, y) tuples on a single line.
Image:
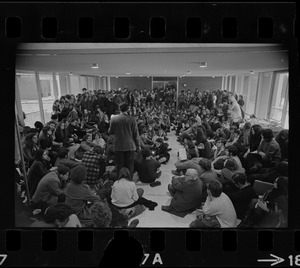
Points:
[(79, 195), (125, 196), (147, 167), (50, 189), (161, 151), (218, 210), (242, 196), (186, 191)]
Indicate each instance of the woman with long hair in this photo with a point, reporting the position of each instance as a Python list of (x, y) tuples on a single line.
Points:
[(204, 147), (29, 148), (254, 141), (61, 133), (38, 169)]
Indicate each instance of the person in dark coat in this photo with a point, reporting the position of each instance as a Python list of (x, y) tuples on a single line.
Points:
[(38, 169), (242, 196), (161, 151), (147, 167), (125, 130), (282, 139), (186, 192), (29, 148)]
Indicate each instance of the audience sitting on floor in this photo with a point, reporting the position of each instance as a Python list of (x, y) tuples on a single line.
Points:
[(79, 195), (185, 191), (219, 142), (217, 211), (148, 167), (271, 209), (51, 188)]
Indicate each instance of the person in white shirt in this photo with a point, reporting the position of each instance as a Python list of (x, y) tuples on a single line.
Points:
[(235, 111), (218, 210), (125, 195)]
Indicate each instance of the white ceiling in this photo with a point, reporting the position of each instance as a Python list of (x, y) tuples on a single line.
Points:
[(151, 59)]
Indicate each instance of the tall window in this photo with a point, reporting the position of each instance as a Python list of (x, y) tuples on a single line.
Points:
[(29, 97), (46, 81), (75, 86), (233, 81), (252, 91), (279, 107)]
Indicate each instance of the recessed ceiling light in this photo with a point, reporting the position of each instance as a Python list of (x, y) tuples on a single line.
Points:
[(203, 64), (183, 75), (127, 72), (95, 66)]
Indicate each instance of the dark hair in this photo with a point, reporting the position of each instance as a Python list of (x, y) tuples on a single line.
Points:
[(96, 133), (39, 154), (146, 152), (62, 152), (239, 178), (160, 140), (215, 187), (205, 164), (232, 150), (124, 173), (190, 145), (45, 130), (98, 150), (237, 131), (39, 125), (222, 140), (283, 133), (59, 211), (267, 134), (124, 107), (257, 129), (247, 125), (28, 138), (255, 139), (54, 116), (230, 164), (101, 214)]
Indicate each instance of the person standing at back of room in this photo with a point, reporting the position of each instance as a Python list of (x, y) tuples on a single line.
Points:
[(127, 141)]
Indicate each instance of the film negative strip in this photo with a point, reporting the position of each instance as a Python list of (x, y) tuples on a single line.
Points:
[(34, 33)]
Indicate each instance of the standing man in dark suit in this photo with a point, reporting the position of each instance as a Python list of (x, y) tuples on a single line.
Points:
[(127, 141)]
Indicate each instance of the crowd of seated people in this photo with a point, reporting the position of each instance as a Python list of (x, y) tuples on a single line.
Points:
[(69, 156)]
